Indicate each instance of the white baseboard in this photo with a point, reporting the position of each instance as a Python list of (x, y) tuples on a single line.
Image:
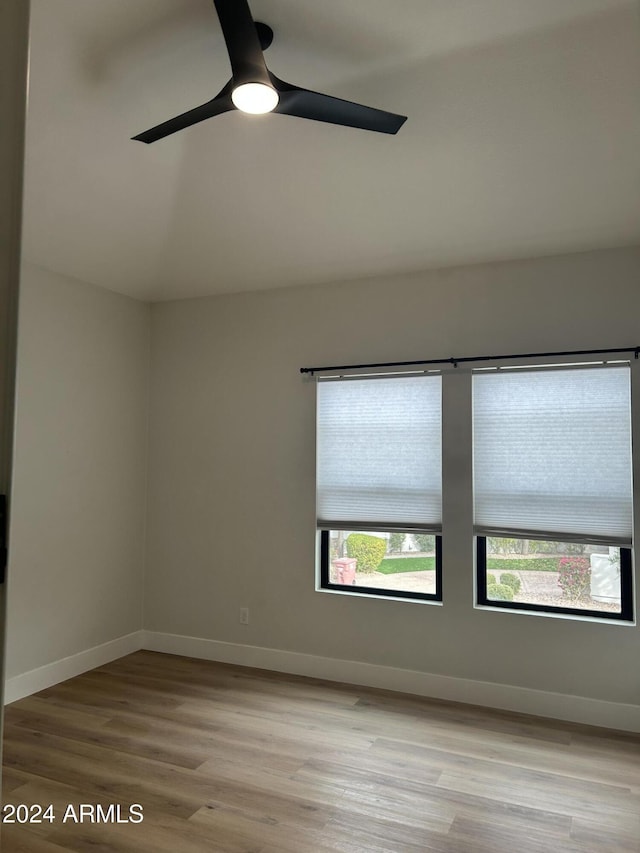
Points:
[(560, 706), (60, 670)]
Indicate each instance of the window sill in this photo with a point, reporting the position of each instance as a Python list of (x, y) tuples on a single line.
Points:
[(546, 614), (379, 597)]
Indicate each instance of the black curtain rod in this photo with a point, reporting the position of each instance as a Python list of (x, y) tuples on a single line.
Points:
[(456, 361)]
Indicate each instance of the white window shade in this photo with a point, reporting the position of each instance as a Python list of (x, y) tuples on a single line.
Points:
[(379, 453), (552, 454)]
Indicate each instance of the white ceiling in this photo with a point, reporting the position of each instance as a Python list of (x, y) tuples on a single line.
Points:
[(523, 139)]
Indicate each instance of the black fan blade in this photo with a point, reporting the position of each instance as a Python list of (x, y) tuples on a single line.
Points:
[(306, 104), (222, 103), (243, 42)]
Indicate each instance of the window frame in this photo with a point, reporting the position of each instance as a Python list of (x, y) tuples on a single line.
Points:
[(626, 591), (326, 584)]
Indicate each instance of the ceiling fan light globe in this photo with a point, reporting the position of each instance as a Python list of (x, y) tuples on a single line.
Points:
[(255, 98)]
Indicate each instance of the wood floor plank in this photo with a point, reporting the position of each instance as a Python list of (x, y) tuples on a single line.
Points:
[(18, 839), (102, 781), (594, 837), (474, 835), (45, 793), (517, 751), (235, 760), (12, 779), (480, 775), (154, 836), (242, 828), (563, 801), (142, 745), (36, 704)]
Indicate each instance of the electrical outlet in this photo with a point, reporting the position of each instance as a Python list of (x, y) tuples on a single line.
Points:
[(244, 615)]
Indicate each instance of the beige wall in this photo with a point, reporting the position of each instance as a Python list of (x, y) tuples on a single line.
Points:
[(231, 489), (76, 567)]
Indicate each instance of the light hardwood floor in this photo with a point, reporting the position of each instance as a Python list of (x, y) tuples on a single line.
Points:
[(228, 759)]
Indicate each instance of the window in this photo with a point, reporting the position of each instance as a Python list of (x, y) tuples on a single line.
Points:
[(379, 495), (537, 467), (565, 577), (399, 564), (553, 489)]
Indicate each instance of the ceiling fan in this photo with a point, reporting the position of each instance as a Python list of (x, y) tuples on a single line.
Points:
[(254, 89)]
